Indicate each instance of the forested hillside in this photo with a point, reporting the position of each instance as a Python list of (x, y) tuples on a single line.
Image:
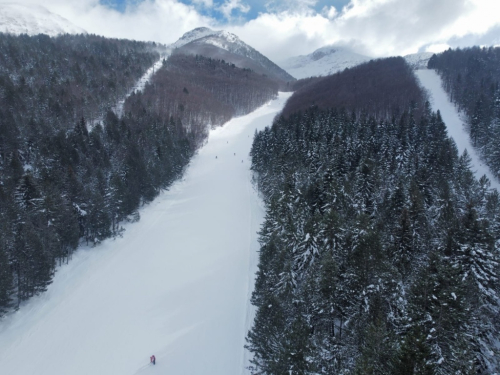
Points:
[(59, 80), (471, 77), (51, 189), (223, 45), (63, 181), (378, 87), (203, 92), (379, 249)]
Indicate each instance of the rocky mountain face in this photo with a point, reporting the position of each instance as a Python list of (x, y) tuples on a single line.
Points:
[(226, 46)]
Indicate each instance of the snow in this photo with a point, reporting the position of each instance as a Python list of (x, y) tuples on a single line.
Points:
[(218, 38), (192, 35), (418, 60), (322, 62), (33, 20), (217, 43), (230, 37), (197, 39), (431, 81), (176, 285)]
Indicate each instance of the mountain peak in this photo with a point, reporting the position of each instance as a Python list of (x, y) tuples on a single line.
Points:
[(192, 35), (222, 44), (322, 52), (34, 19), (218, 38)]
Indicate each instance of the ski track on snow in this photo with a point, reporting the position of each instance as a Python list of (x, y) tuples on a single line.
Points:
[(140, 84), (431, 81), (138, 87), (176, 285)]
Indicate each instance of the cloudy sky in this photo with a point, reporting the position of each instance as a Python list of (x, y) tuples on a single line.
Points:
[(280, 29)]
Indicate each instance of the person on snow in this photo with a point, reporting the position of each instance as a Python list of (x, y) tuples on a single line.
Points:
[(153, 359)]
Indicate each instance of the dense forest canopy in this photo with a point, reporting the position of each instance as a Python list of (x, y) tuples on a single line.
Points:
[(378, 87), (70, 169), (379, 249), (53, 172), (471, 76), (59, 80), (203, 91)]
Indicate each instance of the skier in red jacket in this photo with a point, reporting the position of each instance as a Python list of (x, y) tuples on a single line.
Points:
[(153, 359)]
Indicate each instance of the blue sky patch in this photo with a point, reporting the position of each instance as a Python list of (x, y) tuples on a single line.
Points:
[(256, 7)]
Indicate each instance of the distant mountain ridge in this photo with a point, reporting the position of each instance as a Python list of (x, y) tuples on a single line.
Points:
[(330, 59), (322, 62), (33, 20), (227, 46)]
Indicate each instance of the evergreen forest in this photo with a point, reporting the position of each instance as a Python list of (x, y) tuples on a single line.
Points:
[(471, 76), (71, 170), (379, 252), (379, 248)]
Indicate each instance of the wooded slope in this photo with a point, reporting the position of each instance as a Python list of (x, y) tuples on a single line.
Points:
[(471, 76), (379, 249), (381, 88)]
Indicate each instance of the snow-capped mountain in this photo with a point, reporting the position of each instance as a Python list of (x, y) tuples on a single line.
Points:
[(418, 60), (227, 46), (192, 35), (32, 20), (322, 62)]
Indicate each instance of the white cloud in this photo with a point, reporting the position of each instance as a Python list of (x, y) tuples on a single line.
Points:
[(376, 27), (153, 20), (282, 35), (229, 6), (398, 27), (205, 3), (437, 48), (291, 6), (292, 27), (329, 12)]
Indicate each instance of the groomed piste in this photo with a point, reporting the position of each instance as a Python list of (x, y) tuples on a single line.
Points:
[(176, 285)]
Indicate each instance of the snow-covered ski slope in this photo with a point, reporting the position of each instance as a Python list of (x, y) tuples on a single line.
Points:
[(431, 81), (176, 285)]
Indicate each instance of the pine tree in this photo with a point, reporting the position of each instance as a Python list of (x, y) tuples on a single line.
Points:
[(376, 352), (414, 356), (477, 258), (265, 339), (438, 307), (403, 252), (6, 281)]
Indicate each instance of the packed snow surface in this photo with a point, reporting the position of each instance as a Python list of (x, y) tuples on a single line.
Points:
[(34, 19), (431, 81), (176, 285)]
